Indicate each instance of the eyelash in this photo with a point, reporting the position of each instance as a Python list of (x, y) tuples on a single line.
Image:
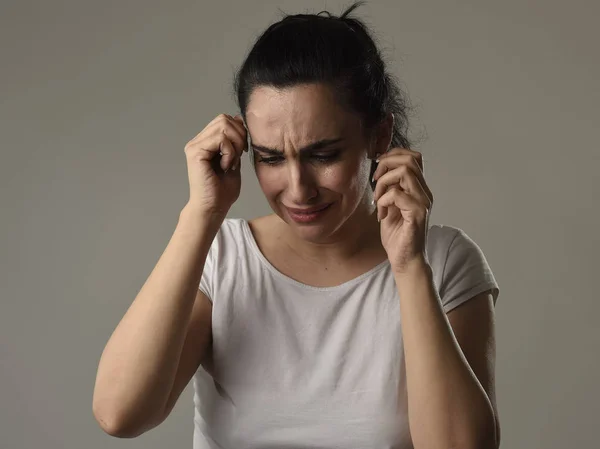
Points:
[(323, 159)]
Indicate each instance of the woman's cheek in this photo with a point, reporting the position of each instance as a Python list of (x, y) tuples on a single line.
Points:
[(347, 178), (334, 178)]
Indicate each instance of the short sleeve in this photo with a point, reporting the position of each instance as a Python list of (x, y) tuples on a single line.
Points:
[(466, 273), (208, 274)]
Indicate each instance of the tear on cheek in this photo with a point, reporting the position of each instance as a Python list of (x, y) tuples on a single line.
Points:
[(335, 177)]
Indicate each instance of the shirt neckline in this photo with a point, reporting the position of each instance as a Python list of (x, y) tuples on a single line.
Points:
[(254, 246)]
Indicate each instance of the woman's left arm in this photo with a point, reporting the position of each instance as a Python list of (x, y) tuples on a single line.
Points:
[(449, 358), (449, 365)]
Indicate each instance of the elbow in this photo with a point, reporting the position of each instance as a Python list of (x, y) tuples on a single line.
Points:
[(114, 429), (117, 425), (114, 426)]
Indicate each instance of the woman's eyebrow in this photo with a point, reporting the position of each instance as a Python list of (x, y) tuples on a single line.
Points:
[(319, 145)]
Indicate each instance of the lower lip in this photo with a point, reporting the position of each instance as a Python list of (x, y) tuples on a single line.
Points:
[(307, 218)]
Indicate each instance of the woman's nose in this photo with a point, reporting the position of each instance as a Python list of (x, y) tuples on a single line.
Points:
[(301, 184)]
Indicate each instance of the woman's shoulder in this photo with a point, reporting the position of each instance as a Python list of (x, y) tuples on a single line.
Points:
[(258, 222), (450, 248), (239, 227), (443, 239), (228, 237), (232, 225), (441, 234), (461, 267), (239, 233)]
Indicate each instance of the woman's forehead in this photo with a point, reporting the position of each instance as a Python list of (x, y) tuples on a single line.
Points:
[(302, 110)]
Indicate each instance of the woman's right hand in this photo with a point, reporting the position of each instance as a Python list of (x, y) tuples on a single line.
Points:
[(213, 162)]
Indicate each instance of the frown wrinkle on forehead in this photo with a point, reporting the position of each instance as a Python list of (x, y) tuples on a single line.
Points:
[(295, 117)]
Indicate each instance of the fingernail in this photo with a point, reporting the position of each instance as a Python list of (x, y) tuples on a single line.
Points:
[(234, 166), (372, 201)]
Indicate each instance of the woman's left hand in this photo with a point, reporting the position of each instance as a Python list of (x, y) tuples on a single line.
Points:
[(404, 203)]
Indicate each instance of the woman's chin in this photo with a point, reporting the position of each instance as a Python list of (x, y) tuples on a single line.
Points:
[(316, 231)]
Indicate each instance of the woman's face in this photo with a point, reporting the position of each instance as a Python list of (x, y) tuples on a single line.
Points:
[(310, 154)]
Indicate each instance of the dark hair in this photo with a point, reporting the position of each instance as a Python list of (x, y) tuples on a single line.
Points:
[(337, 51)]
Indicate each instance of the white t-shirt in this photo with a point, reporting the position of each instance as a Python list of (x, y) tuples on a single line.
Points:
[(296, 366)]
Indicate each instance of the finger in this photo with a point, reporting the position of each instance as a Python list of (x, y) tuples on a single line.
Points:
[(217, 149), (216, 125), (405, 151), (391, 162), (384, 209), (236, 141), (229, 154), (219, 139), (405, 177), (207, 130), (236, 134), (225, 126), (240, 119), (238, 123), (397, 198), (219, 119)]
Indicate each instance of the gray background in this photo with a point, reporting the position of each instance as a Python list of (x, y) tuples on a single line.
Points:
[(98, 100)]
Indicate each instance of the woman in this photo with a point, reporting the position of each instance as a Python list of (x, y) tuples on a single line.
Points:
[(343, 320)]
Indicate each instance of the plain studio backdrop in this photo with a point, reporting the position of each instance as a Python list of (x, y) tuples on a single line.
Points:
[(98, 100)]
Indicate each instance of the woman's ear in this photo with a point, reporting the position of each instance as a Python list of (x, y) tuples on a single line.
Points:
[(383, 136), (388, 131)]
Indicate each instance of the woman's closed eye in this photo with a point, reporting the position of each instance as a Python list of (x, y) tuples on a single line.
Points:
[(327, 157), (270, 160)]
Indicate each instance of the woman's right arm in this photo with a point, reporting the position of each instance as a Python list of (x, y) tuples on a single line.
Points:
[(162, 338)]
